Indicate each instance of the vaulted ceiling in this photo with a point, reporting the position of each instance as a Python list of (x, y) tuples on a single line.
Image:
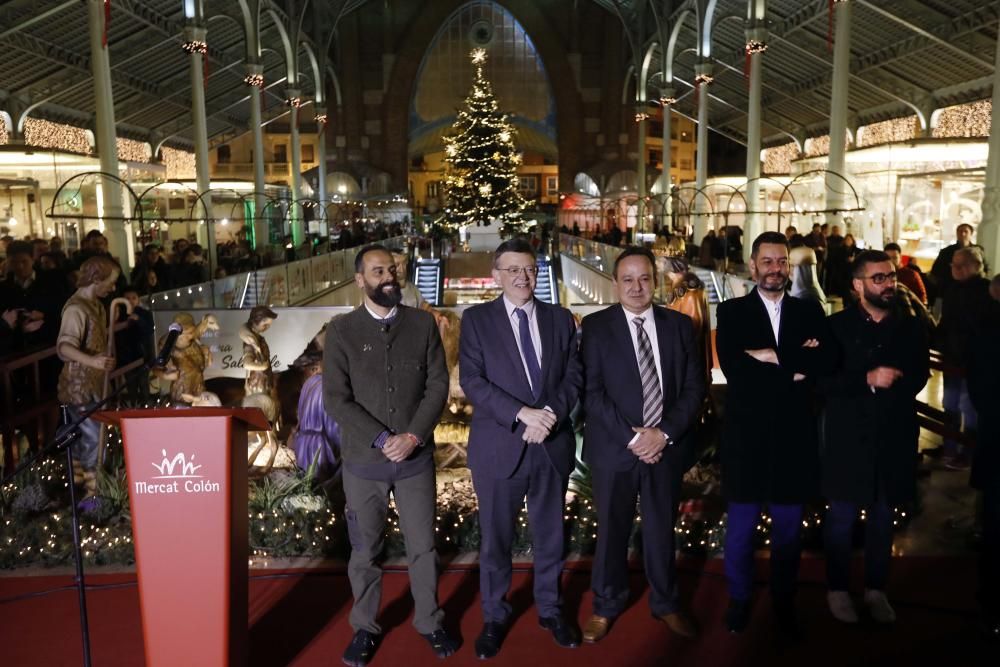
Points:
[(906, 55)]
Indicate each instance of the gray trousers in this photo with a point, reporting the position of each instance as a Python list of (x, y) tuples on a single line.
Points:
[(367, 504)]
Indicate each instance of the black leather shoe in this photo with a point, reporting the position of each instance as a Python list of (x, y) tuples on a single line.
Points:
[(738, 615), (565, 634), (361, 650), (784, 616), (442, 643), (489, 640)]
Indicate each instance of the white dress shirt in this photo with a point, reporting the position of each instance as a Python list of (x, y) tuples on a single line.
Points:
[(649, 326), (773, 312), (515, 325), (392, 313)]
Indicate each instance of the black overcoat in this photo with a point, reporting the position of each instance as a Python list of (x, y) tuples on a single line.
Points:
[(869, 439), (984, 390), (769, 434)]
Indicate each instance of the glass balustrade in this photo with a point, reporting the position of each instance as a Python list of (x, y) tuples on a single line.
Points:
[(278, 285)]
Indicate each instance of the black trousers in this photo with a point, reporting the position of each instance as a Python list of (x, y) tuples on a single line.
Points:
[(656, 487), (500, 501)]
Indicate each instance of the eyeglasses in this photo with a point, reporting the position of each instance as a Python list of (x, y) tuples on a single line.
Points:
[(879, 278), (515, 271)]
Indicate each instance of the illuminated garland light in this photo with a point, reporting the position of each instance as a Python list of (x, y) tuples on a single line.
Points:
[(667, 101), (4, 136), (818, 146), (294, 102), (778, 159), (703, 79), (46, 134), (888, 131), (180, 164), (195, 46), (755, 46), (130, 150), (641, 116), (965, 120), (254, 80), (481, 181)]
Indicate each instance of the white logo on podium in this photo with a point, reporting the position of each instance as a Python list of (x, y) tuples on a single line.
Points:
[(177, 468)]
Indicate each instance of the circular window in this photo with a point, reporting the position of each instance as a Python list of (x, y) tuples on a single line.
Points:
[(481, 33)]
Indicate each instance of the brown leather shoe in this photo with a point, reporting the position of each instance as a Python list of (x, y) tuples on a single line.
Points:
[(680, 624), (596, 628)]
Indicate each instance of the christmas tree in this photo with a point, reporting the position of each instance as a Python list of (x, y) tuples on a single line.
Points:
[(481, 173)]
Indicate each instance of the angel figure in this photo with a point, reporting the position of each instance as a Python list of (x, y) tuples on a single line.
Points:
[(189, 358)]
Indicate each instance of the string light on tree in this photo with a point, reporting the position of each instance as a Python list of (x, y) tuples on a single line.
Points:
[(481, 160)]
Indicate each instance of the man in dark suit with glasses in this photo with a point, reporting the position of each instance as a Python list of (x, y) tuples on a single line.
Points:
[(520, 369)]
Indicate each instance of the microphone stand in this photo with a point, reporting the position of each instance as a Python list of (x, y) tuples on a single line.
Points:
[(65, 436)]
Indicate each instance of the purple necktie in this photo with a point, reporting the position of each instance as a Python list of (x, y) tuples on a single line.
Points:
[(528, 350)]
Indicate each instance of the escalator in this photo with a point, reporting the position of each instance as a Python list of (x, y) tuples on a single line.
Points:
[(429, 279)]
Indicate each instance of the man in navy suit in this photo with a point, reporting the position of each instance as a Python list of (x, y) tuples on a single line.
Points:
[(772, 348), (520, 369), (644, 390)]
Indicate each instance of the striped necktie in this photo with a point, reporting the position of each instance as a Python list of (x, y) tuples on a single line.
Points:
[(652, 397)]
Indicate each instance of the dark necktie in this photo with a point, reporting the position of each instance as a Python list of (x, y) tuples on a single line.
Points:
[(528, 350), (652, 397)]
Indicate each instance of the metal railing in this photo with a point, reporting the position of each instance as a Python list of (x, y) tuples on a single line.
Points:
[(278, 285), (601, 258)]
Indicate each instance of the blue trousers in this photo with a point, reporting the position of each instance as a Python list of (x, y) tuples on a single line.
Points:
[(741, 527), (837, 543), (956, 402)]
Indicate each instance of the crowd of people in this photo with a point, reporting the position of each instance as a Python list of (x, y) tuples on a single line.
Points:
[(817, 407)]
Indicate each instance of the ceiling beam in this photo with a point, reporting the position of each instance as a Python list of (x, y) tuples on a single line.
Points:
[(57, 54), (38, 18), (943, 34), (174, 126)]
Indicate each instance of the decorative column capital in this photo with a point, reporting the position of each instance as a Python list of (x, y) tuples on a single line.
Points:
[(668, 96), (703, 73), (195, 37), (641, 112), (319, 114), (293, 98), (254, 75), (757, 36)]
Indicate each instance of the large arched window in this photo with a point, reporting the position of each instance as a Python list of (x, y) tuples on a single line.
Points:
[(514, 68)]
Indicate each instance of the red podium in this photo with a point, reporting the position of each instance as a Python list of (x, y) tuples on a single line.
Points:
[(187, 477)]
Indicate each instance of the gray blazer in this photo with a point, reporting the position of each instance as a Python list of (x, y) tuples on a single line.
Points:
[(376, 380)]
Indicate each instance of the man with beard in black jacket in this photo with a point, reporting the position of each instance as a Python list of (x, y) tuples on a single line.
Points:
[(870, 430)]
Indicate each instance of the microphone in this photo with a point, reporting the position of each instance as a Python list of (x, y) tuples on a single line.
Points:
[(173, 331)]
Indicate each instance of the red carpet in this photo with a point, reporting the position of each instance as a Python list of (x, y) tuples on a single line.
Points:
[(300, 618)]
